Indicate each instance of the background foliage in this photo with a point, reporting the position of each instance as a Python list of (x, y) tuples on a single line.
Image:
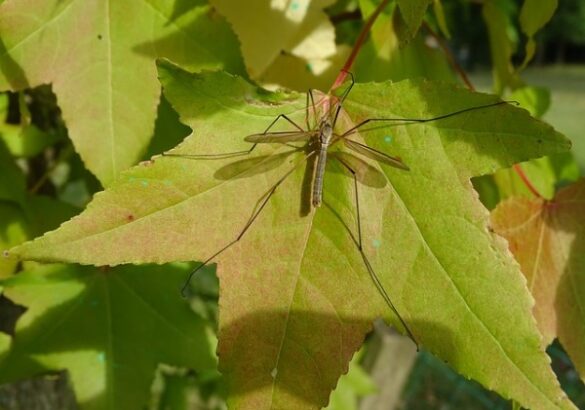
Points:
[(83, 104)]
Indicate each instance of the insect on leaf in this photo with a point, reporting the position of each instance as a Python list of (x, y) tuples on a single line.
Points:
[(296, 299)]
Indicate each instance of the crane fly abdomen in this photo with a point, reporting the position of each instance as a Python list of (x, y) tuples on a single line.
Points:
[(325, 135)]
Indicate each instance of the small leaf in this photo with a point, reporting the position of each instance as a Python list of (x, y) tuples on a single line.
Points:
[(115, 325), (533, 16), (548, 240), (413, 12)]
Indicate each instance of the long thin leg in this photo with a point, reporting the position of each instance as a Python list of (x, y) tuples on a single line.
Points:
[(343, 97), (236, 153), (255, 213), (312, 101), (421, 120), (371, 271)]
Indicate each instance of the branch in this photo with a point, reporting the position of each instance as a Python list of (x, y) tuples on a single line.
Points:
[(358, 44)]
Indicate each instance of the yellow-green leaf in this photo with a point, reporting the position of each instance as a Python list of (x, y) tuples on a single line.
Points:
[(99, 57), (296, 299)]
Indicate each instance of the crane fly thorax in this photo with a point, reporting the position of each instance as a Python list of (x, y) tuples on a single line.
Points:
[(325, 134)]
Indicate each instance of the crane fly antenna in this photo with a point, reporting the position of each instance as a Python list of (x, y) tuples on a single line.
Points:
[(359, 245), (262, 202)]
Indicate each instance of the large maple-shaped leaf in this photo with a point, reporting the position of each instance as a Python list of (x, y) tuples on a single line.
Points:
[(548, 240), (99, 56), (296, 299), (109, 328)]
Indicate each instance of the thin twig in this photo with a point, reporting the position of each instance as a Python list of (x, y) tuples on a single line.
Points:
[(518, 169), (358, 44)]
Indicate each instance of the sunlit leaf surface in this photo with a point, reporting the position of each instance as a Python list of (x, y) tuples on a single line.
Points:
[(296, 300), (99, 57)]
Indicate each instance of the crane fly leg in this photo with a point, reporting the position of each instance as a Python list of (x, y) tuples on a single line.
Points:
[(359, 245), (260, 205)]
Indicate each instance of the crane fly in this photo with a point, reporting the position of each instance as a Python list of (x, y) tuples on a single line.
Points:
[(318, 140)]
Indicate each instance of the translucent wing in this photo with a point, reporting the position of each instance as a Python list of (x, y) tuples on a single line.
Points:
[(364, 172), (375, 154), (252, 166), (280, 137)]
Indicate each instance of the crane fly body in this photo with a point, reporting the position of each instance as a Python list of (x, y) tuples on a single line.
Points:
[(325, 135), (319, 139)]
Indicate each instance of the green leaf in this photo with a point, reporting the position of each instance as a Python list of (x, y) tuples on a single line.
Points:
[(103, 71), (413, 12), (108, 327), (24, 140), (267, 29), (13, 231), (533, 16), (383, 57), (13, 184), (295, 288)]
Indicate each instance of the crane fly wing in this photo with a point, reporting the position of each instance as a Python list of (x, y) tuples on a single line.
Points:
[(280, 137), (375, 154), (364, 172), (252, 166)]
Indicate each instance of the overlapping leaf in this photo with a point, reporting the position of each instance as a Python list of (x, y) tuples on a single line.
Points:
[(109, 328), (266, 29), (413, 12), (99, 57), (548, 240), (384, 57), (296, 299)]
